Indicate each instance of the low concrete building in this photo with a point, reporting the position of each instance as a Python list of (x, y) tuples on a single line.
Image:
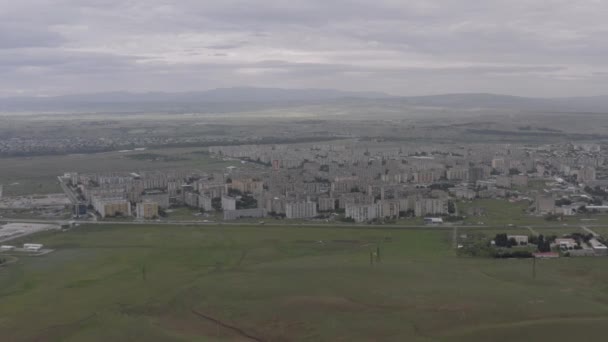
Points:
[(520, 239), (32, 247), (565, 243), (244, 213), (598, 247)]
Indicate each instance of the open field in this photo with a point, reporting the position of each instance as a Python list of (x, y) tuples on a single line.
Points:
[(38, 175), (502, 212), (162, 283), (603, 231)]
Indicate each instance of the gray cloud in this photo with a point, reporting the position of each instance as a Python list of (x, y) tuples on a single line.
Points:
[(542, 48), (226, 46), (23, 36)]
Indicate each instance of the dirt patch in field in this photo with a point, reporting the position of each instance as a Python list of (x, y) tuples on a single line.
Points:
[(323, 303), (194, 326), (454, 307), (60, 332)]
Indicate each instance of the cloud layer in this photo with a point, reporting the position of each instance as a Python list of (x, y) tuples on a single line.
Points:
[(411, 47)]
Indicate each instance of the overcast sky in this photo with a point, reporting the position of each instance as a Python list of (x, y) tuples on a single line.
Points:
[(403, 47)]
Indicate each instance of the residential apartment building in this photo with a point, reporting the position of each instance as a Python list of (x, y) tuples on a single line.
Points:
[(298, 210), (106, 207), (146, 210), (430, 206), (228, 203), (361, 212)]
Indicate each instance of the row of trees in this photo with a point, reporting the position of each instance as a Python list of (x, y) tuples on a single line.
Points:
[(542, 243)]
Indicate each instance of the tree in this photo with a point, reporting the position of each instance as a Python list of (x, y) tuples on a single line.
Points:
[(501, 240), (440, 186), (247, 201), (451, 207), (543, 245), (533, 239), (234, 192), (513, 171), (216, 203), (552, 217)]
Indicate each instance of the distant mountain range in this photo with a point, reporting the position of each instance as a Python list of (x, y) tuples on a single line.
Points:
[(220, 95), (596, 104), (242, 99)]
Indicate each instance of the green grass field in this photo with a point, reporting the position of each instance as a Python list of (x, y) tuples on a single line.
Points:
[(38, 175), (162, 283), (502, 212)]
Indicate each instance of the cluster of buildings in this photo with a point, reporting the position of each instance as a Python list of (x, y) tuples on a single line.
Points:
[(363, 181)]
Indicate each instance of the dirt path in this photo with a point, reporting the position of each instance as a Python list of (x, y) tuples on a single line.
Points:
[(590, 231), (228, 326), (534, 232)]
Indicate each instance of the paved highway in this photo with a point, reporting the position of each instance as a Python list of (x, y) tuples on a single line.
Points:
[(287, 224), (73, 198)]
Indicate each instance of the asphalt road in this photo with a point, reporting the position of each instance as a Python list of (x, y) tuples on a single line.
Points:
[(281, 224)]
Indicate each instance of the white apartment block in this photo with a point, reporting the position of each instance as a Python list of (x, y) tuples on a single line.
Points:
[(111, 206), (327, 204), (361, 212), (299, 210), (204, 202), (430, 206), (457, 173), (228, 203)]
